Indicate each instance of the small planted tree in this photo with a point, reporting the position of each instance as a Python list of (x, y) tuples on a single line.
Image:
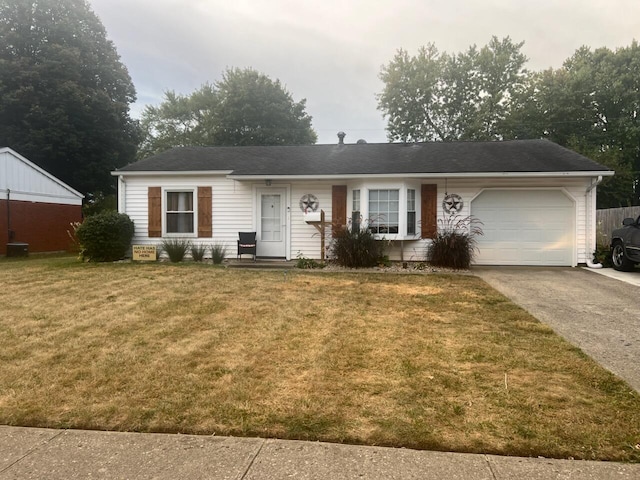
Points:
[(105, 237), (454, 243)]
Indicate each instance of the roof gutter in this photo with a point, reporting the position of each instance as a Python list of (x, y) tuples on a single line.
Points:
[(599, 174), (594, 184), (229, 174), (166, 173)]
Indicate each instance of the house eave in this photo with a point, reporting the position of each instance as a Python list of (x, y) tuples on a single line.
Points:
[(229, 174), (29, 163), (424, 175), (168, 173)]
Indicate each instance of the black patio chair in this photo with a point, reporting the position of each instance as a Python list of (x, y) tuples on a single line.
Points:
[(247, 244)]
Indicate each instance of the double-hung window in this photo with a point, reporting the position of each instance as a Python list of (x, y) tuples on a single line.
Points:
[(356, 201), (411, 211), (179, 212), (384, 211)]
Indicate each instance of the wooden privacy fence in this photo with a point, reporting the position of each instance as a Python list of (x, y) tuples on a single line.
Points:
[(610, 219)]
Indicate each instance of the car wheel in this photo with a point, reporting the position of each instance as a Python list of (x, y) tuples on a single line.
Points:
[(620, 261)]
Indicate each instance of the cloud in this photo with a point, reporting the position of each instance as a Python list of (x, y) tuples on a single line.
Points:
[(330, 52)]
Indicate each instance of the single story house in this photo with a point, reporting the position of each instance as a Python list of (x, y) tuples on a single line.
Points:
[(536, 199), (36, 208)]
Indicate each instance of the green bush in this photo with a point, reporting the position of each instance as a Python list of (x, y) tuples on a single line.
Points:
[(307, 263), (218, 253), (603, 255), (454, 244), (356, 248), (197, 252), (98, 202), (105, 237), (176, 248)]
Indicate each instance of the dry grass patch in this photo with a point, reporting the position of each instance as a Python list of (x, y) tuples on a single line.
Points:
[(425, 361)]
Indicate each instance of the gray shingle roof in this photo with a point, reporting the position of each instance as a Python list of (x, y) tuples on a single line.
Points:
[(371, 159)]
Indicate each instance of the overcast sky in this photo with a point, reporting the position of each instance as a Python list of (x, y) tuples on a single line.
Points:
[(330, 52)]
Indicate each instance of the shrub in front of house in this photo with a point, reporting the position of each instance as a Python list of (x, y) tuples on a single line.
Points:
[(356, 248), (197, 252), (602, 255), (176, 248), (105, 237), (307, 263), (218, 253), (454, 244)]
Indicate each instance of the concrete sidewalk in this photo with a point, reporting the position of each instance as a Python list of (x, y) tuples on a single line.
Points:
[(33, 453)]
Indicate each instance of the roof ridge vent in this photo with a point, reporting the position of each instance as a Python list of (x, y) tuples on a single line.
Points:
[(341, 136)]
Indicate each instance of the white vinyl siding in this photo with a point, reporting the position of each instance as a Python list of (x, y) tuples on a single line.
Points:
[(305, 238), (29, 183), (233, 208)]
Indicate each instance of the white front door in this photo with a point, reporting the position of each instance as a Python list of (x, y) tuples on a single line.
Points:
[(272, 222)]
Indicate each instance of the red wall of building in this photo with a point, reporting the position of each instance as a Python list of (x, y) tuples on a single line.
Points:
[(42, 225)]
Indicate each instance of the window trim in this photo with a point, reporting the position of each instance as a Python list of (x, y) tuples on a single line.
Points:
[(355, 201), (413, 210), (194, 199), (365, 187), (378, 222)]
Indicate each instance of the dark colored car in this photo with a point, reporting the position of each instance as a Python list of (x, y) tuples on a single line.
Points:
[(625, 245)]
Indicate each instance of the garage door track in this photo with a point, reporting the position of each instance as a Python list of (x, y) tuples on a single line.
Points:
[(600, 315)]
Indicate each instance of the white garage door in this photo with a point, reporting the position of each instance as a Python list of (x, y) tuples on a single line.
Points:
[(525, 227)]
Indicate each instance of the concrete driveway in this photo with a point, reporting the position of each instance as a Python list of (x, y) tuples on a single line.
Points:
[(629, 277), (599, 314)]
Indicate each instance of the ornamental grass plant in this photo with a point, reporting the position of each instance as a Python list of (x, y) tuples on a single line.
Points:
[(218, 253), (198, 252), (454, 244), (176, 248), (356, 247)]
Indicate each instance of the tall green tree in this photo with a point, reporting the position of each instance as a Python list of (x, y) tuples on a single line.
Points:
[(255, 110), (64, 94), (592, 105), (446, 97), (244, 108), (179, 121)]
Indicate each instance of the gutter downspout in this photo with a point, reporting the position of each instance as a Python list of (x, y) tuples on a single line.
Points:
[(122, 194), (589, 219), (9, 232)]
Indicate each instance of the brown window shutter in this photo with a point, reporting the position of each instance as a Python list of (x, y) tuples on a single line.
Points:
[(155, 211), (429, 210), (204, 212), (338, 207)]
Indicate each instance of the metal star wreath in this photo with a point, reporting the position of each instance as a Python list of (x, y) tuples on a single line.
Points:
[(452, 203), (309, 203)]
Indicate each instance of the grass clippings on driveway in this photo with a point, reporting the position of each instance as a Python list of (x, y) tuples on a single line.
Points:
[(424, 361)]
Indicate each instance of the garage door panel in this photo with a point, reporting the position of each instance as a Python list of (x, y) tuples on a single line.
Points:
[(525, 227)]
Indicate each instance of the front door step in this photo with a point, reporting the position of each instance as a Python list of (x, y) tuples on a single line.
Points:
[(262, 263)]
